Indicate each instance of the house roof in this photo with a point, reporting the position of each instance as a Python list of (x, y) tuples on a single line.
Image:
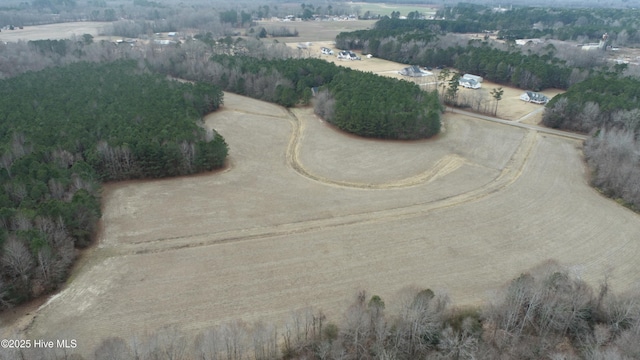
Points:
[(468, 81), (413, 70), (536, 96)]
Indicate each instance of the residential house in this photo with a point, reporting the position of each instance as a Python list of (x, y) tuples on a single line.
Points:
[(534, 97), (469, 83), (414, 71)]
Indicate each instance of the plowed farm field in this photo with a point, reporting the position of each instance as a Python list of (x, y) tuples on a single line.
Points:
[(306, 216)]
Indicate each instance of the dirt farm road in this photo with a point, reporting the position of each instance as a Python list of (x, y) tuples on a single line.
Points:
[(516, 123)]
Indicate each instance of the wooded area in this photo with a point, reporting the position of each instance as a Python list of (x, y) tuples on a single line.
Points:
[(65, 130), (360, 103), (523, 22), (417, 42), (374, 106), (605, 106)]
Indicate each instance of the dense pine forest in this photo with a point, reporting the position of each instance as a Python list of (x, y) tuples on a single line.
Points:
[(360, 103), (64, 130), (374, 106)]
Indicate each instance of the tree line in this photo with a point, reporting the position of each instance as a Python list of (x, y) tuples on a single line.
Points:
[(558, 23), (64, 130), (545, 313), (68, 128), (609, 93), (599, 100), (606, 107), (360, 103), (374, 106), (416, 42)]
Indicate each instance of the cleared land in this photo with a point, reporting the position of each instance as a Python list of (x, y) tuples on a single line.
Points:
[(316, 30), (305, 215), (53, 31), (387, 9)]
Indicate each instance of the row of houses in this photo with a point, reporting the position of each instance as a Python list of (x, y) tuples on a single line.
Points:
[(471, 81)]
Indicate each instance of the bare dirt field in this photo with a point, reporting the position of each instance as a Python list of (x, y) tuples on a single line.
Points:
[(305, 215), (52, 31)]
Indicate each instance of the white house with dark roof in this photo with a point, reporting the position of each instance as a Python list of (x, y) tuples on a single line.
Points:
[(473, 77), (469, 83), (348, 55), (534, 97), (414, 71)]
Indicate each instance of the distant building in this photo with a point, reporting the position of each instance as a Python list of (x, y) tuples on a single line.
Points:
[(414, 71), (469, 83), (348, 55), (472, 77), (528, 41), (163, 42), (534, 97)]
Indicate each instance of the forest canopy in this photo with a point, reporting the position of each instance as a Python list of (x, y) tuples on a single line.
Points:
[(357, 102), (66, 129), (416, 42)]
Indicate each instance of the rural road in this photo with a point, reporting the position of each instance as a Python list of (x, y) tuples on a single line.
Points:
[(537, 128)]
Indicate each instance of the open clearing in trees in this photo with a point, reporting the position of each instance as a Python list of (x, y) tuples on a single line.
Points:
[(305, 215), (53, 31)]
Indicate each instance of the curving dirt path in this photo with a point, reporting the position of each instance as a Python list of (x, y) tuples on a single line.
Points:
[(442, 167), (445, 165), (284, 228)]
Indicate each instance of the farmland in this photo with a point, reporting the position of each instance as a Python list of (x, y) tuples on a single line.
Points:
[(53, 31), (386, 9), (305, 215), (460, 214)]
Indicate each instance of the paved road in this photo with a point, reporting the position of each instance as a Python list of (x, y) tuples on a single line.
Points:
[(541, 129)]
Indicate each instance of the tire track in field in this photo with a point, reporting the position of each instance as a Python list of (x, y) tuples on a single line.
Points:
[(445, 165), (511, 172)]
